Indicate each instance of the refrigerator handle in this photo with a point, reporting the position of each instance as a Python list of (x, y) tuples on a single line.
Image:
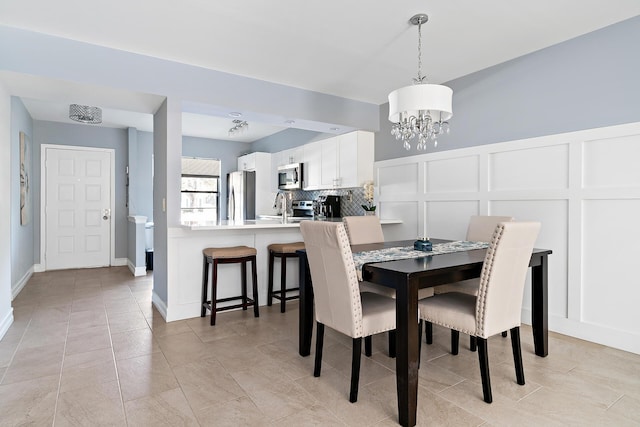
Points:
[(232, 205)]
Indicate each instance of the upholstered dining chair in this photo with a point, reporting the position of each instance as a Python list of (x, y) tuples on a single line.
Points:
[(498, 305), (366, 229), (480, 229), (339, 304)]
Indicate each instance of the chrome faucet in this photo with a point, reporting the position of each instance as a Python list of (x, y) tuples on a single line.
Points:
[(281, 203)]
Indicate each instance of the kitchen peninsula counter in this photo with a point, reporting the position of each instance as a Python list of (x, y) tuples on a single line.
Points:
[(262, 224), (184, 260)]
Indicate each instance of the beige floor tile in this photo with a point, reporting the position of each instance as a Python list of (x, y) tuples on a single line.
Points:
[(160, 328), (89, 368), (87, 319), (135, 343), (40, 335), (88, 339), (238, 412), (314, 416), (169, 408), (339, 357), (182, 349), (207, 383), (128, 321), (144, 376), (91, 406), (36, 362), (29, 403), (7, 350), (627, 407)]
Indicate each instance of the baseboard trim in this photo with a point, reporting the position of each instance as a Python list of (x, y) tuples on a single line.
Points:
[(15, 289), (621, 340), (38, 268), (6, 323), (120, 262), (159, 305), (136, 271)]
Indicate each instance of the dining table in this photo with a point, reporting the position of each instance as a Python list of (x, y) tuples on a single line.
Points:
[(406, 276)]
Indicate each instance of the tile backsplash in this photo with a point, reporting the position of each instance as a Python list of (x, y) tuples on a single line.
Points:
[(351, 199)]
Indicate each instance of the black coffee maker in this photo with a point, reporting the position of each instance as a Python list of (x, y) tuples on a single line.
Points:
[(329, 206)]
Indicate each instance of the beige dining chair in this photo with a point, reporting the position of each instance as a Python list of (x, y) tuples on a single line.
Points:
[(339, 304), (367, 229), (498, 305), (480, 229)]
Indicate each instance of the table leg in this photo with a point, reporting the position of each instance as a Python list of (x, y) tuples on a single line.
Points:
[(539, 306), (407, 350), (305, 312)]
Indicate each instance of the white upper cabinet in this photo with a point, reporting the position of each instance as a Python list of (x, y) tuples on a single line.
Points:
[(343, 161), (355, 159), (312, 165), (329, 163), (247, 162)]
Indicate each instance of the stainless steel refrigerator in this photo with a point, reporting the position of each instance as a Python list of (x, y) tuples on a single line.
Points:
[(241, 195)]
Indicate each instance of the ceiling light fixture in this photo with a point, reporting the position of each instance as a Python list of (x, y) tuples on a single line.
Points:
[(421, 109), (85, 114), (235, 114), (238, 127)]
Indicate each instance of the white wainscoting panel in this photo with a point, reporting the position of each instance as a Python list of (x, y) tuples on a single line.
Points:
[(611, 235), (452, 175), (584, 187), (408, 212), (449, 219), (532, 168), (398, 180), (612, 162)]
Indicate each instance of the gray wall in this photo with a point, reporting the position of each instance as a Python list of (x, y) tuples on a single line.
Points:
[(144, 175), (286, 139), (22, 236), (84, 136), (587, 82), (6, 311)]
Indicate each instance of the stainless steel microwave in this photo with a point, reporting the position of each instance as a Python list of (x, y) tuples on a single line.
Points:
[(290, 177)]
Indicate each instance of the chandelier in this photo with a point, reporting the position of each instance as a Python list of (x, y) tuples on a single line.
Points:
[(238, 127), (85, 114), (421, 109)]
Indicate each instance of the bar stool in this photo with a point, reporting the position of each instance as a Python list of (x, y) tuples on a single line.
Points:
[(228, 255), (282, 251)]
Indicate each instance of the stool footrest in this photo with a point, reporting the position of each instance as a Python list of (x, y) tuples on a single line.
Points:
[(277, 294), (250, 303)]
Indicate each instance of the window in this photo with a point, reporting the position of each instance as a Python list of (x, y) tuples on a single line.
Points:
[(200, 190)]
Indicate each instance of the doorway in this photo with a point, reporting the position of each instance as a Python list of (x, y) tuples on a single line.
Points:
[(77, 206)]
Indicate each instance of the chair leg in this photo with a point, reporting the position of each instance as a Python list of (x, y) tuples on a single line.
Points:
[(367, 346), (504, 334), (419, 341), (283, 284), (483, 357), (319, 340), (355, 369), (392, 343), (472, 343), (429, 332), (270, 282), (243, 275), (455, 339), (254, 278), (517, 354), (205, 286), (214, 291)]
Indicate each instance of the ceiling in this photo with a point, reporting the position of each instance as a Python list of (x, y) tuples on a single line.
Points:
[(349, 49)]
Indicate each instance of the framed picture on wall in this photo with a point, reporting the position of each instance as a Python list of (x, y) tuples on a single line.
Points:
[(25, 162)]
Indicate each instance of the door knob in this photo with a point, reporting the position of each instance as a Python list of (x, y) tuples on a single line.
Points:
[(106, 214)]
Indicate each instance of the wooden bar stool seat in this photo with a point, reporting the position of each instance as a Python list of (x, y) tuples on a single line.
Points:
[(228, 255), (283, 251)]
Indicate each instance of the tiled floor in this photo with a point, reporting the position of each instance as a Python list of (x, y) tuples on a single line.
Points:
[(88, 349)]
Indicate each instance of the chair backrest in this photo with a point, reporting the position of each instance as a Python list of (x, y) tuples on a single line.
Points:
[(499, 302), (481, 227), (333, 276), (363, 229)]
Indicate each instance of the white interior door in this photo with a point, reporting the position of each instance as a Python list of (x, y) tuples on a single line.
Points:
[(77, 208)]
